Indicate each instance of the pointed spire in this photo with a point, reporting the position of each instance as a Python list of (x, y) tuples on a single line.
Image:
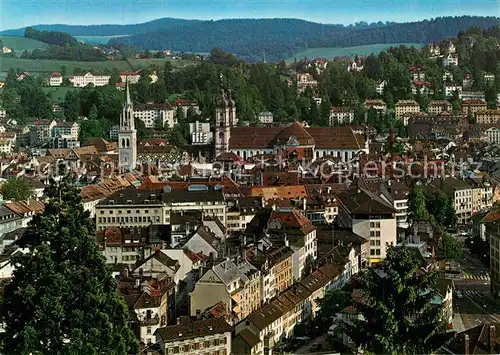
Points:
[(129, 101)]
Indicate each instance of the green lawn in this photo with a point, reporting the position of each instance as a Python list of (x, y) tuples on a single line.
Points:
[(57, 94), (138, 64), (331, 53), (33, 65), (20, 44)]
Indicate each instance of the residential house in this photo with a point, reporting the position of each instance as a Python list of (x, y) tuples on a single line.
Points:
[(493, 135), (185, 104), (450, 60), (151, 304), (204, 241), (405, 106), (487, 117), (472, 106), (305, 80), (55, 79), (41, 131), (206, 336), (25, 209), (472, 95), (9, 222), (380, 87), (3, 113), (340, 116), (488, 77), (468, 81), (91, 196), (130, 77), (449, 89), (416, 72)]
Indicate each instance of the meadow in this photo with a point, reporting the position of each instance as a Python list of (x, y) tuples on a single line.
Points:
[(330, 53), (21, 44), (57, 94)]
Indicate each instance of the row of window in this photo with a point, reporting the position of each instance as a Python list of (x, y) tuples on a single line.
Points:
[(129, 211), (375, 243), (201, 345), (140, 219), (374, 224), (375, 252)]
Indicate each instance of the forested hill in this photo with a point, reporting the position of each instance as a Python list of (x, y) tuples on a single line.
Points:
[(282, 38), (107, 30)]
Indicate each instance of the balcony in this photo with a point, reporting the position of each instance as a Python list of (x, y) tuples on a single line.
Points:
[(150, 321)]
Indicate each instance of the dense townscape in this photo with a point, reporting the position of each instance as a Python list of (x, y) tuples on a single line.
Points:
[(205, 204)]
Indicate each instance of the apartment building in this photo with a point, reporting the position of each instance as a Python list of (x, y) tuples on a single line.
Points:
[(493, 135), (65, 130), (406, 106), (41, 131), (437, 107), (200, 133), (275, 265), (209, 200), (450, 60), (471, 106), (185, 105), (201, 337), (130, 208), (96, 79), (235, 284), (369, 216), (482, 193), (487, 116), (340, 116), (240, 212), (56, 79), (164, 114), (461, 194)]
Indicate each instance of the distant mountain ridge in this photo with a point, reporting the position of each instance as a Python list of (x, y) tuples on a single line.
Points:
[(276, 39)]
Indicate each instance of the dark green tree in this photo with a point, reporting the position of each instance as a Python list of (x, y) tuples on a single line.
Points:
[(62, 298), (17, 189), (453, 249), (441, 207), (395, 303), (333, 302)]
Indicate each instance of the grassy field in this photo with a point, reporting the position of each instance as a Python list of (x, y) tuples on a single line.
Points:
[(330, 53), (57, 94), (138, 64), (20, 44), (32, 65), (96, 39)]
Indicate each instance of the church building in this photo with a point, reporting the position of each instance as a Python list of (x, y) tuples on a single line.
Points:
[(127, 137)]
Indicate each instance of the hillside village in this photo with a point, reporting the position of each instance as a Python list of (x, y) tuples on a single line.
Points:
[(240, 209)]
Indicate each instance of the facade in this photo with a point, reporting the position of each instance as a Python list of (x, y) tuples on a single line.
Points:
[(129, 208), (340, 116), (130, 77), (450, 60), (493, 135), (266, 117), (380, 87), (3, 112), (96, 79), (55, 79), (461, 194), (493, 235), (488, 116), (41, 131), (449, 89), (472, 106), (127, 137), (305, 80), (208, 336), (185, 105), (200, 133), (152, 113), (439, 106), (406, 106), (236, 285), (66, 130), (113, 132), (370, 217)]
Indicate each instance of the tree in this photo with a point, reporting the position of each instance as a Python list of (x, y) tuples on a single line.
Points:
[(333, 302), (441, 207), (395, 304), (62, 298), (416, 204), (92, 113), (17, 189), (115, 77), (453, 249)]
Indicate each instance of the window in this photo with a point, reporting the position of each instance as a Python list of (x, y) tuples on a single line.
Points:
[(148, 330)]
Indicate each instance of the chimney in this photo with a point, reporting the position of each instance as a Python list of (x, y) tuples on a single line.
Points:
[(466, 350), (304, 204), (492, 339), (125, 273)]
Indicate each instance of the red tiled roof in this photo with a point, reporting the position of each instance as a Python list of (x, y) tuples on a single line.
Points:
[(56, 75)]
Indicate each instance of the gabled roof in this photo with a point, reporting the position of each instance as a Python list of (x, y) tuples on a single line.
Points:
[(248, 337), (295, 130), (363, 202), (191, 330), (479, 340)]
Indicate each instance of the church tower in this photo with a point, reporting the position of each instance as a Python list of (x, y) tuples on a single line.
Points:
[(127, 137), (225, 118)]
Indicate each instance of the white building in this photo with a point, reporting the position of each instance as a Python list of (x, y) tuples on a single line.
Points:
[(305, 80), (96, 79), (340, 116), (493, 135), (55, 79), (127, 137), (200, 133), (449, 89), (130, 77), (113, 132), (266, 117), (380, 87), (450, 60), (151, 113)]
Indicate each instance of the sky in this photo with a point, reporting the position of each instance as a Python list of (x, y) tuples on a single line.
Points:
[(21, 13)]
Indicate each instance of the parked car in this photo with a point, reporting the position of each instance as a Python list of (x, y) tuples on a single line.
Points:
[(459, 294)]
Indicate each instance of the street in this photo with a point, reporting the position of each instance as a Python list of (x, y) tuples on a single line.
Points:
[(476, 305)]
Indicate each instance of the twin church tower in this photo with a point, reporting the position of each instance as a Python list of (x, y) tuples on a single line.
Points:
[(225, 119)]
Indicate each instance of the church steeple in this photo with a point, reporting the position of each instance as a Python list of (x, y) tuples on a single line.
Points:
[(127, 136)]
